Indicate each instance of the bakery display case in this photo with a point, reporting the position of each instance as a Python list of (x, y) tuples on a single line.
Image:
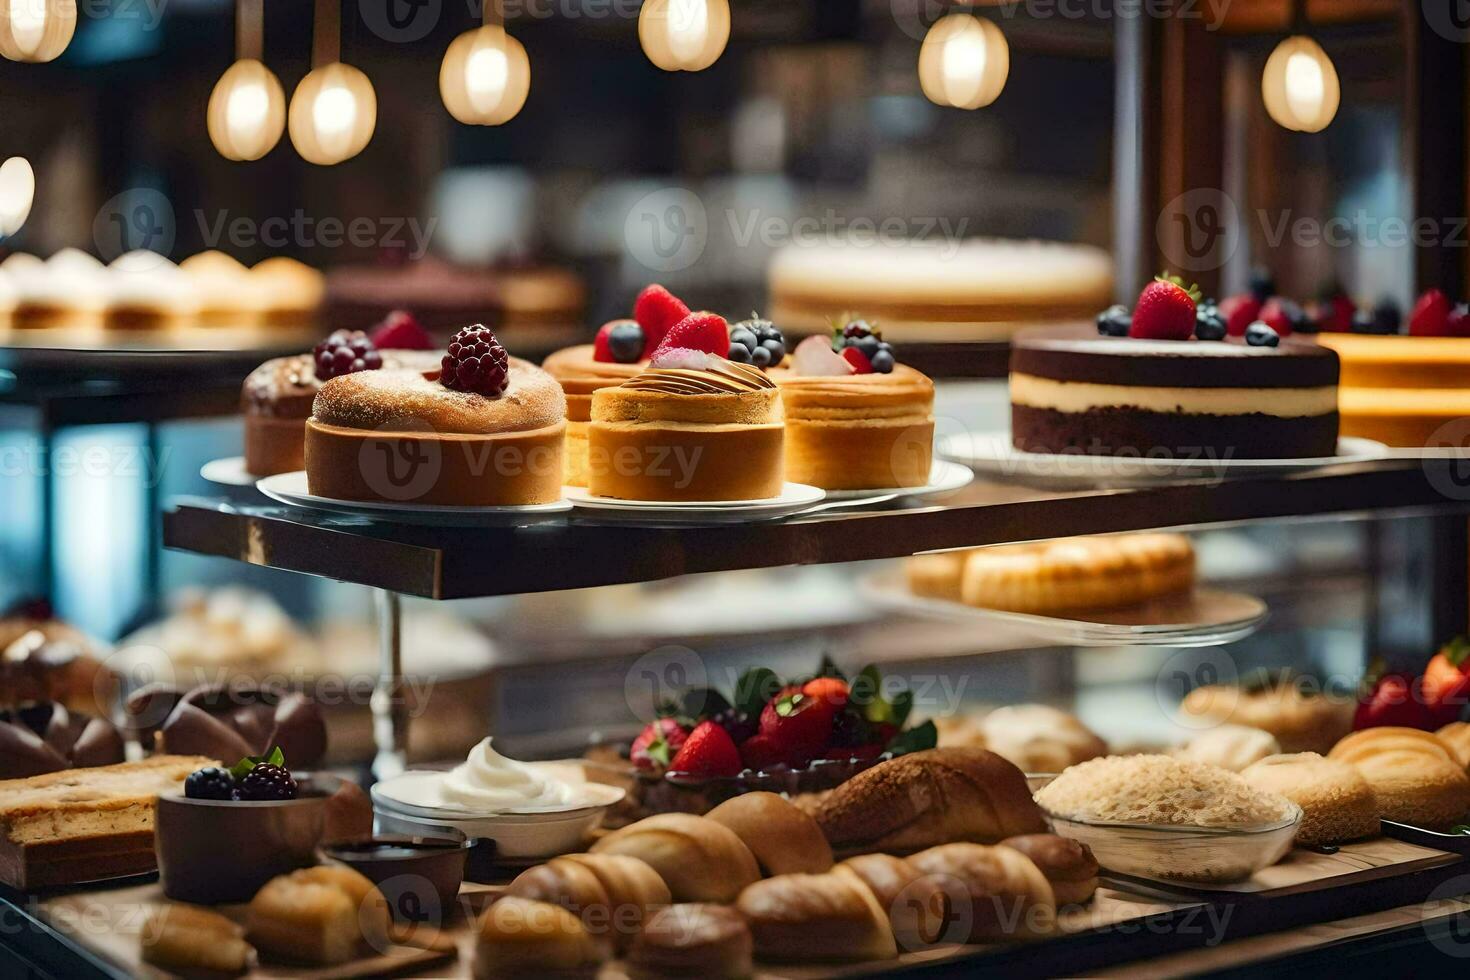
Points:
[(793, 490)]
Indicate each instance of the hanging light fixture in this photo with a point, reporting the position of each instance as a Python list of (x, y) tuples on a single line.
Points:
[(334, 109), (247, 109), (684, 35), (17, 191), (964, 61), (485, 75), (1300, 86), (36, 30)]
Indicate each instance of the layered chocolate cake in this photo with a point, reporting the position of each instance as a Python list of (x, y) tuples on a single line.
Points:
[(1073, 391)]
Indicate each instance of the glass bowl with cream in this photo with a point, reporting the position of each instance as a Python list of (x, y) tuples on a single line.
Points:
[(530, 809)]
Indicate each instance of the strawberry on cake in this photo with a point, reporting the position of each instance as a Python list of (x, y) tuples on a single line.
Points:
[(482, 429), (1170, 381), (619, 353), (693, 425)]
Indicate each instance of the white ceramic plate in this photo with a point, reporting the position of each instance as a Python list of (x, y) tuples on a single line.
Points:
[(992, 455), (290, 488), (945, 476), (228, 472), (792, 498), (1201, 618)]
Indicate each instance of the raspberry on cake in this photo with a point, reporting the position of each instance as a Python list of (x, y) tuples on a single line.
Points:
[(399, 435)]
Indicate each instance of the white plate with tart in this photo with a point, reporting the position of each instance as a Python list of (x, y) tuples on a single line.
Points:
[(793, 498), (228, 472), (1197, 618), (945, 476), (992, 455), (290, 488)]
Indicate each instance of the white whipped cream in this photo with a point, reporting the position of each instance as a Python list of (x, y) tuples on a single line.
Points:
[(489, 781)]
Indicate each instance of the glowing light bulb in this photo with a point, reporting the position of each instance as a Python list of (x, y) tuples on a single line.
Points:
[(247, 111), (485, 77), (684, 35), (333, 113), (17, 191), (1299, 85), (36, 30), (964, 62)]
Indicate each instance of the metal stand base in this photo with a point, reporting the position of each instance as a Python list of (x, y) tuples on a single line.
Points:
[(390, 709)]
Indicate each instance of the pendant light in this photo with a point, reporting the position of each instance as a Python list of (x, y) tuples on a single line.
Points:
[(17, 191), (964, 61), (1299, 85), (36, 30), (684, 35), (247, 109), (485, 75), (334, 109)]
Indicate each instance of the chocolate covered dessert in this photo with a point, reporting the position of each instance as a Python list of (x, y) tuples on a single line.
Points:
[(1073, 391)]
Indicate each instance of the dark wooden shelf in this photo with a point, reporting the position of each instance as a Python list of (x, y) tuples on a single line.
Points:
[(576, 552)]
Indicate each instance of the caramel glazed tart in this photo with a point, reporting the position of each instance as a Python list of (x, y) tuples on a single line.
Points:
[(714, 433), (399, 436)]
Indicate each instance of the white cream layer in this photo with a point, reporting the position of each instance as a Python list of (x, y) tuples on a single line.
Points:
[(1084, 396)]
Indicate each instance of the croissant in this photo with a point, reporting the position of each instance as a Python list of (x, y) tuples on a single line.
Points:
[(918, 909), (826, 917), (611, 893), (928, 798), (700, 860), (1415, 776), (999, 891)]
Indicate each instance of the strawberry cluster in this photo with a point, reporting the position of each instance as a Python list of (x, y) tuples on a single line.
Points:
[(1428, 701), (768, 725), (1333, 311)]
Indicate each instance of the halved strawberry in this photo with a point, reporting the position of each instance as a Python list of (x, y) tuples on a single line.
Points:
[(858, 360), (400, 331), (1239, 312), (702, 331), (1165, 310), (656, 310), (709, 751), (657, 744), (1431, 315)]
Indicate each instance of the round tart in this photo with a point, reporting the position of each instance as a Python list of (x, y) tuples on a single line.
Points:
[(401, 435), (859, 431), (707, 432), (1073, 391), (580, 375)]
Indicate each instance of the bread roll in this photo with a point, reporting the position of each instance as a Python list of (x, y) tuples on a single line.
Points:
[(1337, 802), (783, 839), (1457, 736), (1038, 737), (710, 941), (828, 918), (570, 884), (374, 917), (634, 891), (1229, 746), (298, 919), (928, 798), (1415, 777), (917, 907), (700, 860), (1069, 866), (517, 936), (998, 890), (1301, 720)]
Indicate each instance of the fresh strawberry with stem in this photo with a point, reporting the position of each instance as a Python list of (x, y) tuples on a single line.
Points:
[(656, 310), (1447, 680), (800, 725), (1431, 315), (658, 743), (702, 331), (1165, 310), (708, 752), (1392, 700)]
